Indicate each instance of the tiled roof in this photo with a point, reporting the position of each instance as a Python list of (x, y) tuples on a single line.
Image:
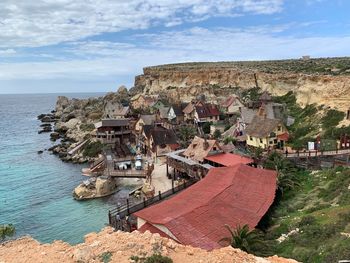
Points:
[(247, 115), (262, 127), (231, 99), (121, 111), (163, 136), (163, 112), (148, 119), (228, 159), (207, 110), (235, 196), (199, 148)]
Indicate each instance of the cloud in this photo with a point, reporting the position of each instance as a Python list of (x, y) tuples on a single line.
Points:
[(7, 52), (93, 60), (38, 23)]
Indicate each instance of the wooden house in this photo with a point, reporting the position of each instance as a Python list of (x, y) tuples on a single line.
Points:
[(266, 133), (145, 119), (176, 114), (162, 141), (206, 113), (143, 101), (232, 105), (201, 148), (110, 131)]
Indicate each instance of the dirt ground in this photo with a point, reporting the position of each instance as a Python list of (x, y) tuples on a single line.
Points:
[(119, 247)]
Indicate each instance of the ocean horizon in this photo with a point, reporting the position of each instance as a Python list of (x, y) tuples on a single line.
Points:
[(36, 189)]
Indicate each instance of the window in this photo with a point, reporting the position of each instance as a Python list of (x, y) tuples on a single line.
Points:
[(250, 138), (279, 128), (214, 148), (261, 140)]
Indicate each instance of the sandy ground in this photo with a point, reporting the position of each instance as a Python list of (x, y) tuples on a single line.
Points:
[(159, 179), (119, 247)]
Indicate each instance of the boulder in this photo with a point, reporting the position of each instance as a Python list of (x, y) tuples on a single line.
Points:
[(55, 136)]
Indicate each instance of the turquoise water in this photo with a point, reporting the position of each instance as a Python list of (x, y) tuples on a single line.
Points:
[(36, 190)]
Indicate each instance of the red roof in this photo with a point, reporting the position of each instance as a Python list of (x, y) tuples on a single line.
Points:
[(283, 136), (235, 196), (207, 110), (228, 159)]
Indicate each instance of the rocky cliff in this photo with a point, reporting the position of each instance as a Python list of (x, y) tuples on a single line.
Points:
[(110, 246), (320, 81)]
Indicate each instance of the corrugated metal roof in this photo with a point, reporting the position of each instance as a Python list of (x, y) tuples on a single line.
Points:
[(228, 159), (235, 196)]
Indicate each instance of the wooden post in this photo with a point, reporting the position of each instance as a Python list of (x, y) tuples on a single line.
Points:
[(160, 195), (167, 168), (144, 202), (127, 205), (109, 217)]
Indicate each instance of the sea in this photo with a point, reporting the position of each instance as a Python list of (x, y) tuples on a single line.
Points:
[(36, 189)]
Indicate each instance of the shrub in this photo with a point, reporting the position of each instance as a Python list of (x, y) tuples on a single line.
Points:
[(93, 149), (6, 231), (217, 134), (206, 127), (87, 127), (332, 118), (155, 258), (105, 257)]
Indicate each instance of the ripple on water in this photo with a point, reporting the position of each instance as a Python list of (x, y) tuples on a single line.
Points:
[(36, 190)]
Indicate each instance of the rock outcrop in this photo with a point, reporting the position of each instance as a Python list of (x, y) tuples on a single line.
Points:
[(181, 82), (119, 247)]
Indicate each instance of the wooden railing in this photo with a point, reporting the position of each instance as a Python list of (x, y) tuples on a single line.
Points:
[(317, 153), (117, 216)]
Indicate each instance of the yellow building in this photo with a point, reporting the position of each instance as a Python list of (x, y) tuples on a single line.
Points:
[(266, 133)]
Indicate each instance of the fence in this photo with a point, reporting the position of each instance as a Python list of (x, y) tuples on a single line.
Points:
[(317, 153), (117, 216)]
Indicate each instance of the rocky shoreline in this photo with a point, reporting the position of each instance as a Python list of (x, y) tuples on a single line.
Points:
[(72, 121)]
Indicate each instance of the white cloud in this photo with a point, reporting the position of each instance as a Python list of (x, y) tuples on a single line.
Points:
[(26, 23), (7, 52), (103, 59)]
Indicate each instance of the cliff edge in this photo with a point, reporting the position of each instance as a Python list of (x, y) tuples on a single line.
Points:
[(321, 81), (110, 246)]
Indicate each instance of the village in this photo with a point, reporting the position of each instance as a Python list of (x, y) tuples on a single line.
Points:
[(197, 159)]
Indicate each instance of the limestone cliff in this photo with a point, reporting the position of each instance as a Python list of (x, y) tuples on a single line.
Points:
[(320, 81), (110, 246)]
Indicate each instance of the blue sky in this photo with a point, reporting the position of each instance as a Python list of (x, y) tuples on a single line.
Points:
[(98, 45)]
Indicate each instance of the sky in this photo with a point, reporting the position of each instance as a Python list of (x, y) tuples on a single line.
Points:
[(53, 46)]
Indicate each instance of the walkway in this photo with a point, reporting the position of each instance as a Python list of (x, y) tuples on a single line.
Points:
[(317, 153)]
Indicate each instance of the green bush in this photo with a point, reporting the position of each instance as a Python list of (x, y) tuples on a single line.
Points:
[(87, 127), (93, 149), (105, 257), (332, 118), (155, 258), (6, 231), (217, 134), (206, 127)]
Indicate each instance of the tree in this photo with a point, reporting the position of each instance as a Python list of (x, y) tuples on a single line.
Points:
[(286, 172), (243, 238), (257, 154), (187, 133), (6, 231), (217, 134), (206, 127)]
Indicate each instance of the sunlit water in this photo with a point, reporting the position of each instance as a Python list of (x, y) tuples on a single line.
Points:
[(36, 190)]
